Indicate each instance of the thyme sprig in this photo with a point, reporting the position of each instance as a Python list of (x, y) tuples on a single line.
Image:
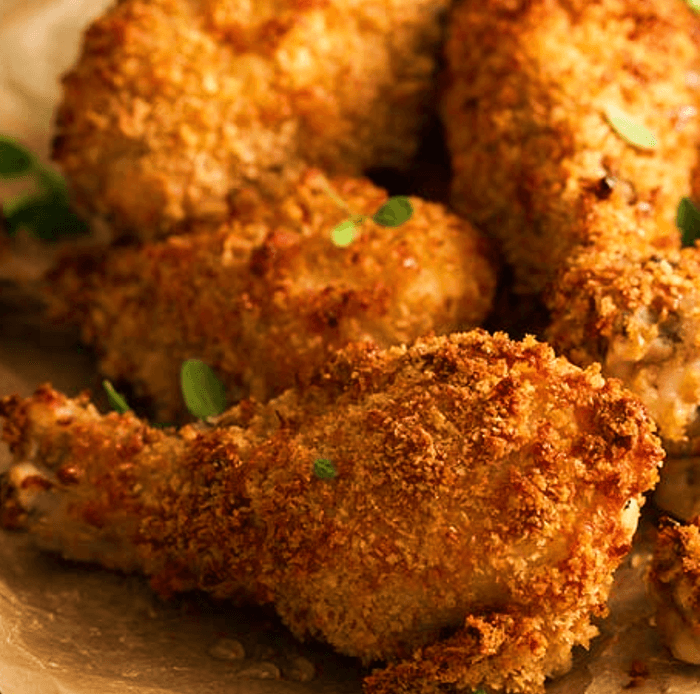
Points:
[(395, 211)]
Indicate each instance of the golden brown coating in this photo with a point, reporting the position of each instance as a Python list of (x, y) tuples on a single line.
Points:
[(638, 314), (485, 492), (528, 85), (674, 585), (266, 297), (174, 105)]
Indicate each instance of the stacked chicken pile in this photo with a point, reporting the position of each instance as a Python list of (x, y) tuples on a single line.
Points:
[(416, 491)]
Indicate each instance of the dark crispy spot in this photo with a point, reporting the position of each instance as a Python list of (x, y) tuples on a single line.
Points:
[(58, 145), (94, 514), (259, 261), (35, 482), (603, 187), (442, 366), (638, 672), (12, 515), (68, 474)]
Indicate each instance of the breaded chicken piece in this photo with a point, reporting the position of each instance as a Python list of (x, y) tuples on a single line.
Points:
[(577, 207), (175, 105), (674, 585), (266, 297), (638, 314), (529, 88), (484, 493)]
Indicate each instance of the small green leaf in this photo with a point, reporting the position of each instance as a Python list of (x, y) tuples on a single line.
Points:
[(630, 130), (395, 211), (16, 203), (46, 216), (64, 222), (324, 469), (116, 400), (345, 233), (688, 221), (46, 213), (203, 392), (52, 182), (694, 5), (15, 160)]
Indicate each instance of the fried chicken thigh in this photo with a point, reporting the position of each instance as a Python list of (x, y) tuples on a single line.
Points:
[(175, 105), (265, 298), (484, 492)]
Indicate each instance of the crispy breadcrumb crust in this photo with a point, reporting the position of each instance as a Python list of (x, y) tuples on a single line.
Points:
[(175, 105), (638, 314), (674, 585), (485, 492), (527, 84), (265, 298)]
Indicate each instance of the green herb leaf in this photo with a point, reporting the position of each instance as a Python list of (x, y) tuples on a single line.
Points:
[(203, 392), (45, 213), (116, 400), (694, 5), (345, 233), (688, 221), (395, 211), (47, 216), (52, 182), (630, 130), (324, 469), (15, 160)]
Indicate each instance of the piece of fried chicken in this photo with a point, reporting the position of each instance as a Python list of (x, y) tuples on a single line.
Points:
[(531, 91), (175, 105), (674, 585), (265, 298), (582, 213), (638, 314), (484, 492)]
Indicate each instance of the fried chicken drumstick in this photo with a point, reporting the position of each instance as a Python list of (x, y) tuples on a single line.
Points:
[(175, 105), (265, 298), (531, 93), (484, 493), (539, 106)]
